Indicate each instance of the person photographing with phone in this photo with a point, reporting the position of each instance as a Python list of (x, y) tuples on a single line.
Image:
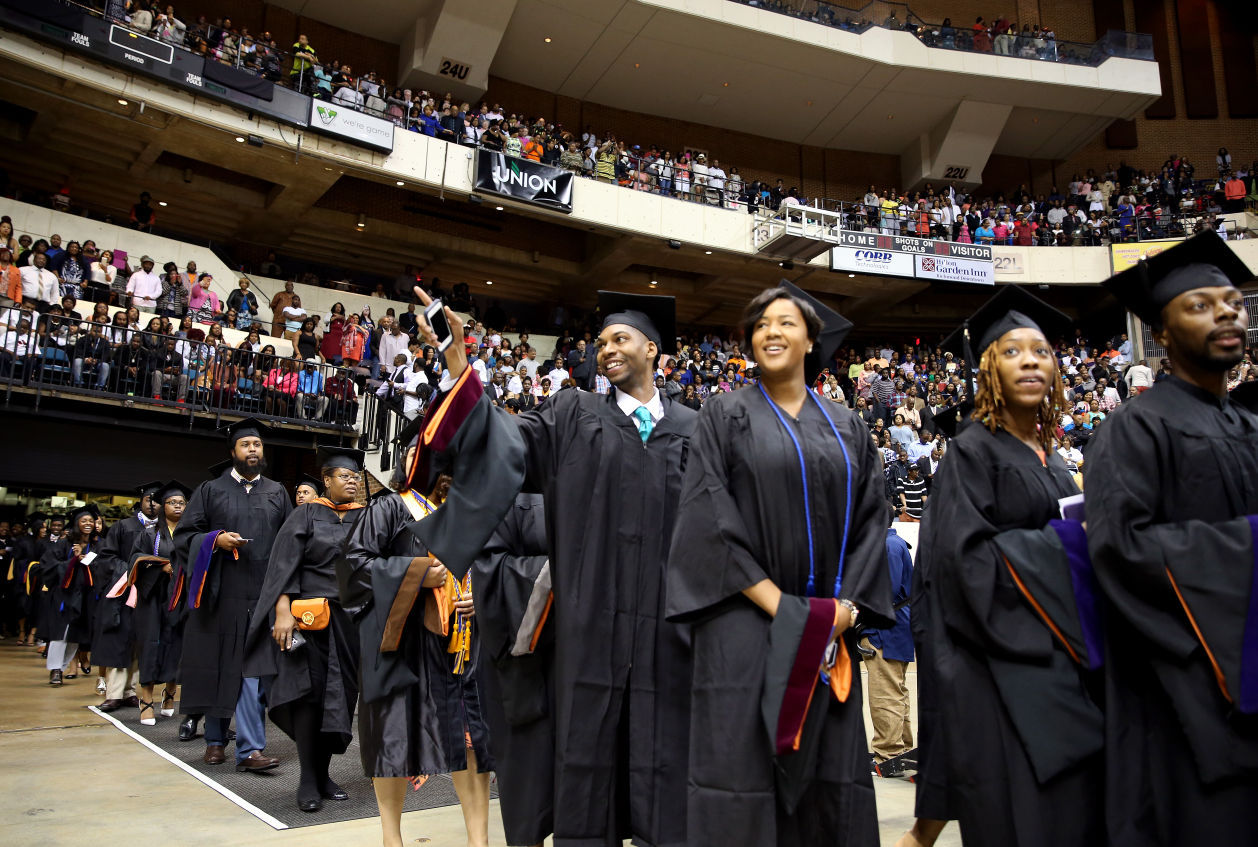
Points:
[(222, 546)]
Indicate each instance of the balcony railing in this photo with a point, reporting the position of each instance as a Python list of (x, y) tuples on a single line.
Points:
[(963, 36), (54, 355)]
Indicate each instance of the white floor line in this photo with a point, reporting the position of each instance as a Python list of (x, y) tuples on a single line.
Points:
[(230, 795)]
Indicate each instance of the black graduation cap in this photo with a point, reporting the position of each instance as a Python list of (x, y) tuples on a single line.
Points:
[(148, 488), (249, 427), (1203, 261), (1011, 308), (834, 328), (85, 509), (1246, 395), (340, 457), (35, 519), (954, 419), (409, 432), (219, 468), (170, 489), (313, 481), (654, 315)]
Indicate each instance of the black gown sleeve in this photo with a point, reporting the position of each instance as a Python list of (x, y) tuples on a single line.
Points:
[(712, 558), (979, 601), (512, 587)]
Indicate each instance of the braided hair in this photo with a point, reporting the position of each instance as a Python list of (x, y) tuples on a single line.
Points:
[(989, 401)]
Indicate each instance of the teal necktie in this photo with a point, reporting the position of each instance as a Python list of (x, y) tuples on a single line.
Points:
[(645, 424)]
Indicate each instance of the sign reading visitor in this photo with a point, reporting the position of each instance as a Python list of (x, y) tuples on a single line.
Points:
[(947, 269), (345, 123), (862, 260), (919, 246), (524, 180)]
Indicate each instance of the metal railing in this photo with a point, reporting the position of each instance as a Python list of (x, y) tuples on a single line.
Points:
[(55, 354), (964, 35)]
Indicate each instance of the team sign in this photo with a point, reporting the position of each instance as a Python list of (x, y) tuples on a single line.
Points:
[(918, 246), (865, 261), (524, 180)]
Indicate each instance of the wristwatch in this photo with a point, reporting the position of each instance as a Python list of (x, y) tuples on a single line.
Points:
[(851, 607)]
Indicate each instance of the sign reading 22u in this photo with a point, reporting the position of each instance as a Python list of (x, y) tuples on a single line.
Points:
[(453, 69)]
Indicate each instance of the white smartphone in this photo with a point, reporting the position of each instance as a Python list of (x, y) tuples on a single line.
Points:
[(435, 314)]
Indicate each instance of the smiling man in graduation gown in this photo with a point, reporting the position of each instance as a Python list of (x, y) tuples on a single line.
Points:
[(113, 642), (221, 547), (1172, 508), (609, 468)]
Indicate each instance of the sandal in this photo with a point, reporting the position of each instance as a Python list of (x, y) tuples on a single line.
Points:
[(86, 668), (168, 704), (146, 705)]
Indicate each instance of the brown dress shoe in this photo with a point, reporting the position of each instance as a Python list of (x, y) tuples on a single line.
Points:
[(110, 706), (133, 701), (256, 762), (54, 677), (214, 754)]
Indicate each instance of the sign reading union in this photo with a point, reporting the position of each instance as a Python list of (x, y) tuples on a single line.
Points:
[(524, 180), (918, 246)]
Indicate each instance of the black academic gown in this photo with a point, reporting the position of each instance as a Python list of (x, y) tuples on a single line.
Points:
[(325, 670), (28, 586), (67, 610), (512, 581), (158, 628), (622, 699), (1171, 478), (414, 713), (214, 634), (742, 520), (1011, 727), (113, 637)]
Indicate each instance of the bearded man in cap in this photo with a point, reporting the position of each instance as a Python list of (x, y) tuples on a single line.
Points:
[(222, 546)]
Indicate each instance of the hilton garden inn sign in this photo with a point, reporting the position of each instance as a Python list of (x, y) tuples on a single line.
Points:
[(524, 180)]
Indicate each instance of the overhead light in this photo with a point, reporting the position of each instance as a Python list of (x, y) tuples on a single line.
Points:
[(851, 276), (809, 102), (725, 85), (161, 202), (889, 117), (489, 282), (399, 182), (788, 265), (240, 139), (654, 283), (497, 208), (362, 220), (637, 65), (707, 252), (546, 39), (122, 102)]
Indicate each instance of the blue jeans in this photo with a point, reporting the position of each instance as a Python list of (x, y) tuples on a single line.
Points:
[(250, 721), (102, 373), (375, 368)]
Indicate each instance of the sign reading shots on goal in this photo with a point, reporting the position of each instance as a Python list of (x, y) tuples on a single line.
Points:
[(523, 180), (863, 260), (343, 122)]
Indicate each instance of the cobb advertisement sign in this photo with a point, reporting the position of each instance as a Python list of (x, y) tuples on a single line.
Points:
[(865, 261), (954, 270)]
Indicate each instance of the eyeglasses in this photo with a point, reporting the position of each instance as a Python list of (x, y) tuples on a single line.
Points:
[(344, 477)]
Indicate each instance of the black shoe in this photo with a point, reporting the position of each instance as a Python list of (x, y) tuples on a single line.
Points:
[(231, 735), (332, 791), (188, 728), (309, 804)]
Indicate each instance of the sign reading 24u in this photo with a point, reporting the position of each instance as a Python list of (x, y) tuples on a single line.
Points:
[(524, 180)]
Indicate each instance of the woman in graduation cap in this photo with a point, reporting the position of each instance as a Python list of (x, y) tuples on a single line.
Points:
[(780, 546), (65, 568), (308, 660), (1010, 735), (420, 712), (158, 627)]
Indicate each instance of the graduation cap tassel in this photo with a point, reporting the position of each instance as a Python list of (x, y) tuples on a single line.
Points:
[(969, 361)]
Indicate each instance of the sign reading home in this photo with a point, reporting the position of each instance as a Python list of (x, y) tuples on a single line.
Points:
[(355, 127), (524, 180)]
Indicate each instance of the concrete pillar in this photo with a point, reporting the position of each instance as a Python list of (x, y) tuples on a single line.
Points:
[(452, 45), (956, 149)]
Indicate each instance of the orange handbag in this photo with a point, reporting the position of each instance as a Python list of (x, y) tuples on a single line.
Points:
[(313, 613)]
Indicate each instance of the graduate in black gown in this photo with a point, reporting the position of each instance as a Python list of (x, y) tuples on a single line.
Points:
[(24, 553), (65, 570), (311, 674), (418, 717), (1013, 633), (781, 526), (1172, 508), (307, 488), (222, 546), (609, 468), (158, 630), (513, 600), (113, 642)]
